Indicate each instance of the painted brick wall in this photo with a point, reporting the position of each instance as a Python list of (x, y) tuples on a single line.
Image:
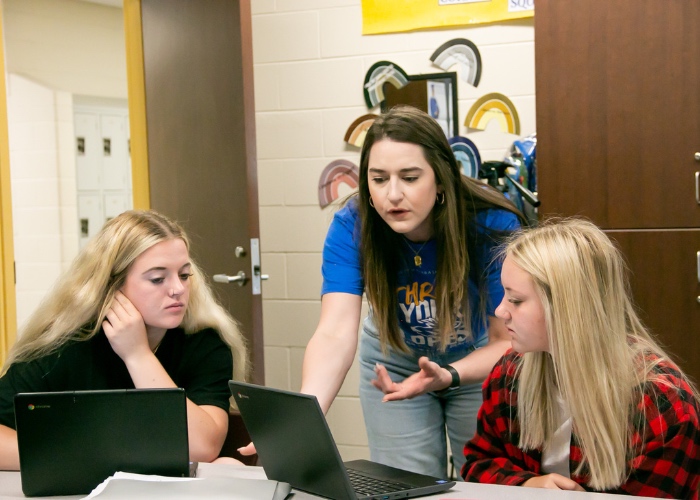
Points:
[(310, 64)]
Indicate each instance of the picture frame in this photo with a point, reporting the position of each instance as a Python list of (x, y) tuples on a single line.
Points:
[(435, 93)]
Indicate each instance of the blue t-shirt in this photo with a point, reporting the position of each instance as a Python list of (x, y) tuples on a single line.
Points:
[(417, 310)]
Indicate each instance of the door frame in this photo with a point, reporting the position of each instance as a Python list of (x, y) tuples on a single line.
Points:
[(136, 84), (8, 308)]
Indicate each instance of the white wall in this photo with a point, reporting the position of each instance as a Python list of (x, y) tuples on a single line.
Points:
[(43, 187), (310, 64), (68, 45), (56, 51)]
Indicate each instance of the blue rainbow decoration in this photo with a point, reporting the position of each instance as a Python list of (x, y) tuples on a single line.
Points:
[(336, 172), (380, 73), (462, 52), (467, 154)]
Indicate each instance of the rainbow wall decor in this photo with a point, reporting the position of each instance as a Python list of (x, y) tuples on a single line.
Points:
[(462, 52), (357, 130), (336, 172), (493, 106), (380, 73), (467, 155)]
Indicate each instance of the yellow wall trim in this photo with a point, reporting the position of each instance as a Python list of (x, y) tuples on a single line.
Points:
[(137, 104), (8, 310)]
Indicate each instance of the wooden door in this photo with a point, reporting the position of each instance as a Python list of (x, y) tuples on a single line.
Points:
[(665, 292), (618, 129), (618, 110), (201, 139)]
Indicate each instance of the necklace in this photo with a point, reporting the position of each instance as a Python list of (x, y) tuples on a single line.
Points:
[(416, 257), (158, 345)]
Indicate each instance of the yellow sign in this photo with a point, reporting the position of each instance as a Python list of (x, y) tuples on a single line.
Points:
[(391, 16)]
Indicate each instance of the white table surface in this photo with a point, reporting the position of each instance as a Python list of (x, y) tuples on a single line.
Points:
[(11, 487)]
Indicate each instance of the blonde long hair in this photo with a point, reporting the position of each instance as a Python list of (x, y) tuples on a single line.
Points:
[(77, 305), (597, 346)]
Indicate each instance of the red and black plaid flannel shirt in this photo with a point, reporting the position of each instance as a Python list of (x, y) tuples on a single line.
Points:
[(666, 464)]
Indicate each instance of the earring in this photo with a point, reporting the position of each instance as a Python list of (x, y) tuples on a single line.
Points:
[(440, 201), (371, 203)]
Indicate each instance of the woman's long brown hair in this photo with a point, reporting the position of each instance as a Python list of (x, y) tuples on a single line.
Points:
[(455, 231)]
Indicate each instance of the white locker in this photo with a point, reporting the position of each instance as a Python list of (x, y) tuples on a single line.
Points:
[(114, 205), (103, 166), (90, 216), (88, 150), (115, 152)]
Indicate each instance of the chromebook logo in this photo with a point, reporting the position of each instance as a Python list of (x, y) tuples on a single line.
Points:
[(37, 407)]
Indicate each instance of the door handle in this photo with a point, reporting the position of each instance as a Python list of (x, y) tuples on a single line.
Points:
[(258, 277), (697, 187), (698, 298), (240, 278)]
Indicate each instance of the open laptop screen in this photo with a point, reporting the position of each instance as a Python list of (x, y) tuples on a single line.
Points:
[(69, 442)]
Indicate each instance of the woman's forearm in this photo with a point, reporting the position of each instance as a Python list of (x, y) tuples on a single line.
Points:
[(9, 453)]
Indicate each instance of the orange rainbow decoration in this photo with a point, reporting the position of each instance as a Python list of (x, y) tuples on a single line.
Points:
[(493, 106), (336, 173), (357, 130)]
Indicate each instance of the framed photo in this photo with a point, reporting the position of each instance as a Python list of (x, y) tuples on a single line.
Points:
[(436, 94)]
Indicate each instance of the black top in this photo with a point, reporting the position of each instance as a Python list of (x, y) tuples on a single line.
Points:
[(201, 363)]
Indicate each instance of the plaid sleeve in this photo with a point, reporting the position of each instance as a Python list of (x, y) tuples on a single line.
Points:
[(492, 455), (666, 463)]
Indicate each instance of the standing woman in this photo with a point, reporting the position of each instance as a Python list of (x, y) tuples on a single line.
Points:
[(133, 310), (418, 240), (586, 399)]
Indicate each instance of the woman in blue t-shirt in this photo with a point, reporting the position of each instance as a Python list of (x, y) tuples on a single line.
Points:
[(418, 239)]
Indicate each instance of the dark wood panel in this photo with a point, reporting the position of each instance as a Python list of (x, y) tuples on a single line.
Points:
[(571, 124), (653, 112), (201, 138), (664, 281), (618, 118)]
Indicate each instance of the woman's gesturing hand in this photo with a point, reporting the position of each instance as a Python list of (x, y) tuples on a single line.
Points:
[(431, 377)]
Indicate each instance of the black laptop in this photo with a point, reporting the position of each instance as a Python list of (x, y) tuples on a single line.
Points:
[(295, 445), (69, 442)]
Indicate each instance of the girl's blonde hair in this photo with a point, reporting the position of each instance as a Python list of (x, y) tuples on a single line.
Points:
[(78, 303), (597, 346)]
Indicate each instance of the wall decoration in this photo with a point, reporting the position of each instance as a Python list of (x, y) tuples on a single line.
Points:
[(380, 73), (436, 94), (493, 106), (355, 135), (391, 16), (467, 155), (462, 52), (336, 172)]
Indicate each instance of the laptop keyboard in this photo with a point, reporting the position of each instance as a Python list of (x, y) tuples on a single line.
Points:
[(367, 486)]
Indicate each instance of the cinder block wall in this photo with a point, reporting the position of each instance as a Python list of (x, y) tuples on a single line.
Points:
[(310, 63)]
